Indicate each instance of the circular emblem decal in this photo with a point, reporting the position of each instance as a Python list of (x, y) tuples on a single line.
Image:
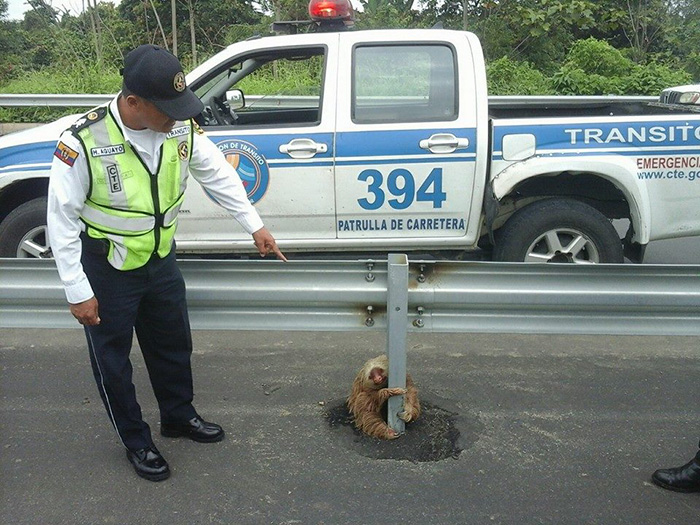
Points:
[(182, 150), (92, 115), (251, 167), (179, 82)]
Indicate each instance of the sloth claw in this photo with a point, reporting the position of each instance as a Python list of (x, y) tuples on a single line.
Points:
[(397, 391)]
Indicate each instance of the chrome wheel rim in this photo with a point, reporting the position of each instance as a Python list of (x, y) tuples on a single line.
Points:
[(34, 244), (563, 245)]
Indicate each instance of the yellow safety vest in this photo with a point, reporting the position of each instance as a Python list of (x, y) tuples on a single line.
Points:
[(134, 210)]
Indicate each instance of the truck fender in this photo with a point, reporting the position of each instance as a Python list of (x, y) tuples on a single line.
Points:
[(620, 171), (8, 179)]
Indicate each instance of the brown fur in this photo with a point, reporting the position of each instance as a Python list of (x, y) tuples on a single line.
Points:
[(368, 399)]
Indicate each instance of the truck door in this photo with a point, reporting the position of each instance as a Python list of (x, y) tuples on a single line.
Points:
[(405, 142), (263, 110)]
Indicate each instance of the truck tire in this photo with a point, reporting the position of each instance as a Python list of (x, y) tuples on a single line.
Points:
[(23, 232), (561, 231)]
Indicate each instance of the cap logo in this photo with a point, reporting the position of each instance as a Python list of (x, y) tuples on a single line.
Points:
[(179, 82)]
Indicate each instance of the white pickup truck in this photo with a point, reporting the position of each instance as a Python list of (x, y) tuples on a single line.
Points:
[(389, 143)]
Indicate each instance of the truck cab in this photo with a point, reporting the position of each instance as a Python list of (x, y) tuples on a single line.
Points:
[(345, 161)]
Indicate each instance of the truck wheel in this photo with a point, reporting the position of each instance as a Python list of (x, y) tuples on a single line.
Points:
[(559, 231), (23, 232)]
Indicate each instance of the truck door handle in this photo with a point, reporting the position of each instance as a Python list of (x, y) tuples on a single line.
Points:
[(443, 143), (303, 148)]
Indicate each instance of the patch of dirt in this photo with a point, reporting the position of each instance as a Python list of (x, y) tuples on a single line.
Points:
[(434, 436)]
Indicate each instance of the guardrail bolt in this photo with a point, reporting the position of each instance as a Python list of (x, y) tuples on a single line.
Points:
[(370, 320), (418, 323), (370, 276), (421, 276)]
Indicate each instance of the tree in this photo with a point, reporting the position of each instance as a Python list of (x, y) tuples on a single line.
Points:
[(385, 14), (285, 10), (683, 36), (96, 26), (193, 35), (646, 20), (12, 45), (173, 22), (201, 26)]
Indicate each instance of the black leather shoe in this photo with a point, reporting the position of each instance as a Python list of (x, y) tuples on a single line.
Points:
[(196, 429), (149, 464), (680, 479)]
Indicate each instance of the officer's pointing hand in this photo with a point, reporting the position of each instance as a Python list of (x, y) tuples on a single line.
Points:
[(86, 312), (265, 243)]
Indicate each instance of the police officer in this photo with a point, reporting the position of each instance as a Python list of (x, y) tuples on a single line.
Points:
[(117, 183)]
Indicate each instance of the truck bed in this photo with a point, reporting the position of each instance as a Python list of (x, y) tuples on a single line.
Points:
[(578, 106)]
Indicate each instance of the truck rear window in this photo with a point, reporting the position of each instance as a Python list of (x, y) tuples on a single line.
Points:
[(403, 83)]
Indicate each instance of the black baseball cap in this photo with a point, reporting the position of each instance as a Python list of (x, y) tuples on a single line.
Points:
[(155, 74)]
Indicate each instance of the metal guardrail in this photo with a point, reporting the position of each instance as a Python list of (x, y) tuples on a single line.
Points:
[(90, 101), (442, 297), (57, 101), (78, 100)]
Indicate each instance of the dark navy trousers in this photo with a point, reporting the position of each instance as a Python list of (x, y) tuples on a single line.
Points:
[(151, 301)]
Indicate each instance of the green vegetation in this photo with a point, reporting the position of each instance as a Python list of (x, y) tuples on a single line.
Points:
[(594, 67), (533, 47), (285, 76), (512, 77)]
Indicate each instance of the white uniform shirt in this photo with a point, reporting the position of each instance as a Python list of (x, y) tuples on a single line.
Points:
[(68, 187)]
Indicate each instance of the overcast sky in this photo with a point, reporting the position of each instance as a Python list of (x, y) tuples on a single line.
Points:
[(16, 8)]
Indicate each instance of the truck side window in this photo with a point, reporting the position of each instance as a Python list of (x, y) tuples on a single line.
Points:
[(274, 88), (404, 83)]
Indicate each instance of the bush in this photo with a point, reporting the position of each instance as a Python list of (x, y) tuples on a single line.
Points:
[(510, 77), (82, 79), (571, 80), (594, 67), (652, 79), (597, 57)]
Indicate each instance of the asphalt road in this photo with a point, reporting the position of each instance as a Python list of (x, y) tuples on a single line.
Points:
[(552, 429)]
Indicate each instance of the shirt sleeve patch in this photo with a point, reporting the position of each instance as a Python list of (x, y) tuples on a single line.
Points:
[(65, 154)]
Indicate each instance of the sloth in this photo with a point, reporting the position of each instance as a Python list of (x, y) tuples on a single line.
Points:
[(369, 396)]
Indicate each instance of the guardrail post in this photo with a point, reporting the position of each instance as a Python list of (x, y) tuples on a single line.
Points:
[(397, 319)]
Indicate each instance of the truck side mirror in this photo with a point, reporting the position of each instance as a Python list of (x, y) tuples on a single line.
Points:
[(235, 99)]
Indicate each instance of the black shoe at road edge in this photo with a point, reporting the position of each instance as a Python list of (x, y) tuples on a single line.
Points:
[(679, 479), (149, 464), (195, 429)]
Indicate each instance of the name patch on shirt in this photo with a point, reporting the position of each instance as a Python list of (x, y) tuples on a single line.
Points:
[(116, 149), (178, 132), (65, 154)]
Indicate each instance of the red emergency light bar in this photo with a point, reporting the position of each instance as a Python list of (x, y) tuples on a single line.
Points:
[(320, 10), (326, 15)]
